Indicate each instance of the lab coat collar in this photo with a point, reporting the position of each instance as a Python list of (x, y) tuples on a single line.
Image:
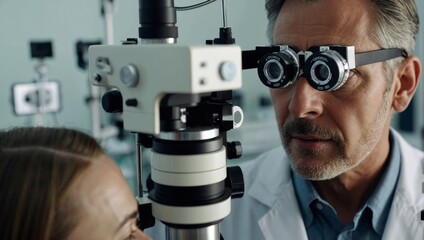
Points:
[(411, 171), (404, 218), (273, 173), (274, 188), (284, 218)]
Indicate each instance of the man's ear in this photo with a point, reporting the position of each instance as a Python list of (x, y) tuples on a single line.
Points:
[(406, 80)]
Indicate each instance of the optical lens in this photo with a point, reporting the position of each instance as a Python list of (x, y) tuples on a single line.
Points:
[(278, 69), (327, 69), (273, 71), (322, 72)]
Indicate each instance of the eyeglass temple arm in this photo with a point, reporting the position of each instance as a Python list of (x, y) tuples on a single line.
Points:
[(364, 58)]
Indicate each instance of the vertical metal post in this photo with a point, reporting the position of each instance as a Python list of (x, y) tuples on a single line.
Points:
[(95, 93), (41, 70), (108, 16), (224, 13), (139, 165)]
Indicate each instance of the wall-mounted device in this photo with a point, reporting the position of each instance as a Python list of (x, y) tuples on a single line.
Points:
[(33, 98), (40, 96), (41, 49)]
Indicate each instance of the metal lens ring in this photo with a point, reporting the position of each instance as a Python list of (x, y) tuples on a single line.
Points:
[(326, 71), (279, 69), (273, 70), (321, 72)]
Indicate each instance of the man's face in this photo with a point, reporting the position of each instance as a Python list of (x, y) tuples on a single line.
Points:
[(328, 133)]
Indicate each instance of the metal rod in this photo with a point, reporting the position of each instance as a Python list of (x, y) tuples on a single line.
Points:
[(41, 69), (224, 13), (95, 113), (139, 164), (95, 91), (108, 17)]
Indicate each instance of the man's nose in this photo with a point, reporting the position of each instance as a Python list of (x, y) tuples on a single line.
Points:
[(305, 102)]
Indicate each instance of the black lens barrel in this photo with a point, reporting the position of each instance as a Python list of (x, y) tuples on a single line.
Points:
[(326, 71), (157, 19), (277, 70)]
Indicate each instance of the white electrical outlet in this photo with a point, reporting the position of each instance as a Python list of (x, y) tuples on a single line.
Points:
[(32, 98)]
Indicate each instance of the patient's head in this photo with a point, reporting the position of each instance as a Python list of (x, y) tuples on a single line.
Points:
[(57, 183)]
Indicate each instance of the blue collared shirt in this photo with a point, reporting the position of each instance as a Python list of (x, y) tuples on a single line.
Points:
[(320, 218)]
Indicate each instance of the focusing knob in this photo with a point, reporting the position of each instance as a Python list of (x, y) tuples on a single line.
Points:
[(112, 101), (235, 181), (234, 150), (129, 75)]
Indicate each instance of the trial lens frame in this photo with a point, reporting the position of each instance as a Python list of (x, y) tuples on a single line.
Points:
[(325, 67)]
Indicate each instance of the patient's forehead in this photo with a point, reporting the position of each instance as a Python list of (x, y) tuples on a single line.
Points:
[(104, 198)]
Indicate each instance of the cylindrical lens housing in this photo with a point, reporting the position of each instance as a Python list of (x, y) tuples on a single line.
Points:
[(326, 71), (157, 19), (278, 69)]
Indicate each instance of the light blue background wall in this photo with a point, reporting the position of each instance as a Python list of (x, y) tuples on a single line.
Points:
[(65, 22)]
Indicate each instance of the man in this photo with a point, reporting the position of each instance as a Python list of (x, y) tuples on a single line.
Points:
[(343, 172)]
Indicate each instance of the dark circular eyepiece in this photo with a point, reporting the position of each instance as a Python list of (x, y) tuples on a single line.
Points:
[(326, 71), (157, 19), (322, 72), (273, 70), (278, 69)]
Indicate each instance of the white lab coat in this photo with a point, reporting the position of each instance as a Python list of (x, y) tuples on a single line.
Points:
[(269, 208)]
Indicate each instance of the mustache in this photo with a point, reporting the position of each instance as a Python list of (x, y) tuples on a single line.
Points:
[(307, 127)]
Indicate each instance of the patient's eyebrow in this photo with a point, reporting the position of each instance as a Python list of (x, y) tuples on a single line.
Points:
[(127, 219)]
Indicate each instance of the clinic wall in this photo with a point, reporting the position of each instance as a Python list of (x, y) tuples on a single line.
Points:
[(62, 22)]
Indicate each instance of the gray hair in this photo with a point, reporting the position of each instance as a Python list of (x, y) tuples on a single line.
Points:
[(396, 25), (272, 9)]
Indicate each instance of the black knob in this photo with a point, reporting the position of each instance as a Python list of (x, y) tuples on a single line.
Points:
[(235, 181), (148, 220), (234, 150), (131, 102), (145, 140), (112, 101)]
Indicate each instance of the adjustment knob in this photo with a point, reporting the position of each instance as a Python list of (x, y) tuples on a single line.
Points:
[(112, 101), (235, 181), (129, 75), (234, 150), (227, 71), (131, 102)]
